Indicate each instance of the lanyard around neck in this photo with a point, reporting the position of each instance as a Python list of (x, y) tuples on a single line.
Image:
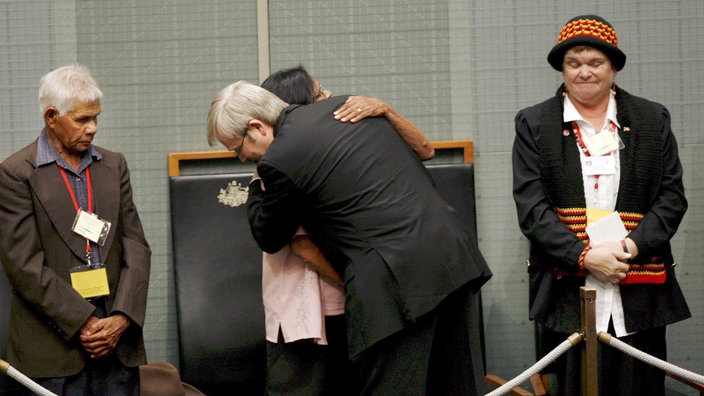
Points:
[(583, 147), (580, 139), (89, 186)]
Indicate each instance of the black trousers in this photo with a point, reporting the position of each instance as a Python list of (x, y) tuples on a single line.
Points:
[(99, 378), (438, 355), (308, 369)]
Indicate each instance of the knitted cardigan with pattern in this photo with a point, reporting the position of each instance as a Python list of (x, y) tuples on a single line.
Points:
[(641, 175), (548, 176)]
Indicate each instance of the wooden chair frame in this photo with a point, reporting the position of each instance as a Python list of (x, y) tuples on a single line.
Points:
[(176, 159)]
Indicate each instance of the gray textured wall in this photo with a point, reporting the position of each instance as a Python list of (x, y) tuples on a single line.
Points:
[(459, 69)]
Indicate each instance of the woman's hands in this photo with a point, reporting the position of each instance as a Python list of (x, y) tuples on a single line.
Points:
[(608, 261), (357, 108)]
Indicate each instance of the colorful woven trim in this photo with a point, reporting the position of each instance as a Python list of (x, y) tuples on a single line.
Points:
[(630, 220), (576, 220), (588, 27), (646, 273)]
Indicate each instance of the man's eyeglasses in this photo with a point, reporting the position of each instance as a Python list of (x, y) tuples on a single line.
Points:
[(239, 150)]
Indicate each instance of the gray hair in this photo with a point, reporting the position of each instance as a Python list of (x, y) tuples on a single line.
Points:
[(63, 87), (236, 105)]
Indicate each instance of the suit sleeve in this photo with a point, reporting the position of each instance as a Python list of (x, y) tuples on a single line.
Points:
[(663, 218), (536, 216), (274, 211), (131, 294), (23, 258)]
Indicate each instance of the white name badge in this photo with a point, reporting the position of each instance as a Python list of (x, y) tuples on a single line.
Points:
[(89, 226), (604, 165), (601, 143)]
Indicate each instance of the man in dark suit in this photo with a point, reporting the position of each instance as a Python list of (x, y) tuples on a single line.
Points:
[(409, 265), (79, 283)]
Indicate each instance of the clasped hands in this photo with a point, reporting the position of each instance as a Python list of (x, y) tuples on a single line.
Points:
[(99, 337), (608, 262)]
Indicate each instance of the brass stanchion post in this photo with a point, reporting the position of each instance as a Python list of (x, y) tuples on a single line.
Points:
[(590, 379)]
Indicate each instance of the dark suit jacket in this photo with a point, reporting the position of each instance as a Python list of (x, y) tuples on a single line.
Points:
[(369, 203), (38, 248)]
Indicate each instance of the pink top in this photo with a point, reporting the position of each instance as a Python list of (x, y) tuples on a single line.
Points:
[(296, 298)]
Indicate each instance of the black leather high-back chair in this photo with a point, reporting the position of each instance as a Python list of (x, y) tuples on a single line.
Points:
[(218, 268)]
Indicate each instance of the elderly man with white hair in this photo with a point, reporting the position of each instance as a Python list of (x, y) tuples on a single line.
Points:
[(73, 249)]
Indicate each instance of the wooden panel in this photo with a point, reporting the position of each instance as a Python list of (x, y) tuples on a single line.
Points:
[(175, 159)]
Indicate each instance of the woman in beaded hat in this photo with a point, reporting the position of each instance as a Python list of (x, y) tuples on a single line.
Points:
[(591, 152)]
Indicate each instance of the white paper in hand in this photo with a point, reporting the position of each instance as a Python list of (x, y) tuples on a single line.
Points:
[(607, 229)]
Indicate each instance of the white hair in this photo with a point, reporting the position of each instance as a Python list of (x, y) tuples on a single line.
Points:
[(236, 105), (63, 87)]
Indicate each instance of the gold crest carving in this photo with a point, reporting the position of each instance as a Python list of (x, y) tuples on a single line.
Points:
[(234, 195)]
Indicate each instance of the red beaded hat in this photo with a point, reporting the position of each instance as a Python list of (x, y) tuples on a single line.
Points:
[(589, 30)]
